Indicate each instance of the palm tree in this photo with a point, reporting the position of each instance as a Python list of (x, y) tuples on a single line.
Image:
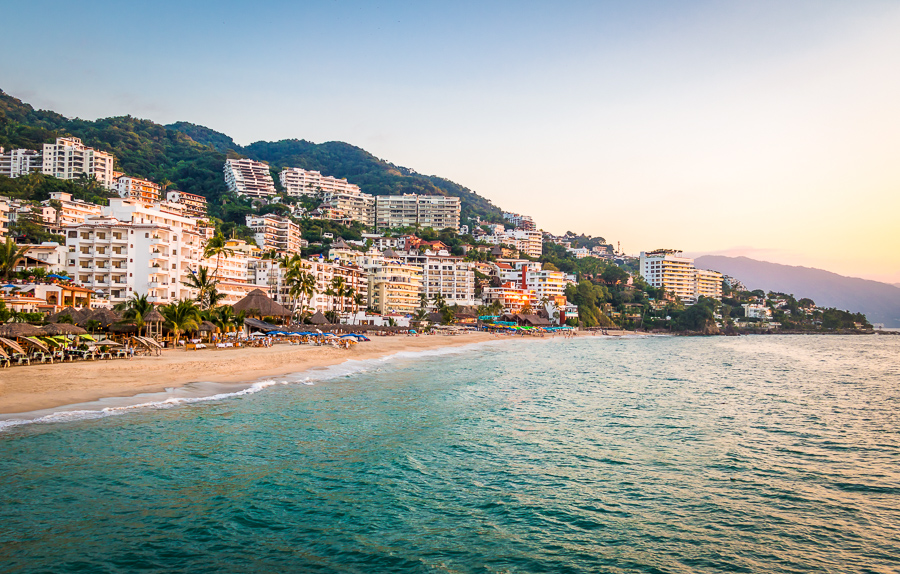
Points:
[(10, 253), (205, 284), (339, 289), (92, 326), (358, 300), (182, 316), (136, 308), (216, 247)]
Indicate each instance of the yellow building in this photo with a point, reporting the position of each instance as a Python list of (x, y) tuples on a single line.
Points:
[(395, 287)]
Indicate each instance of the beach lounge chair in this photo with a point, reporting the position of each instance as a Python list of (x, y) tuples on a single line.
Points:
[(21, 359)]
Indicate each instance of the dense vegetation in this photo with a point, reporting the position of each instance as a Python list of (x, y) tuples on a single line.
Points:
[(191, 156)]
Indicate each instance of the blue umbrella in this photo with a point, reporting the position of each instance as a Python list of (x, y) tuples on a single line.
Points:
[(55, 276)]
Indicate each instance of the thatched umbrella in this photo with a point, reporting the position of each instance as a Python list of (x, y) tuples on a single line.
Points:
[(154, 317), (318, 319), (19, 330), (12, 345), (62, 329), (259, 304), (76, 314), (105, 317), (208, 328)]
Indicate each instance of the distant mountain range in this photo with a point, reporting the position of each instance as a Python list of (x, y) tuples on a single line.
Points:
[(879, 301)]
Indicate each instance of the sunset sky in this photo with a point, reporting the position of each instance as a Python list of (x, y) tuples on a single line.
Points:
[(766, 129)]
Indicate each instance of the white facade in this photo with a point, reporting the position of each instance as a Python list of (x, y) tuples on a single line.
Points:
[(248, 177), (194, 205), (669, 269), (297, 181), (419, 211), (16, 162), (72, 211), (273, 232), (68, 158), (134, 249), (520, 221), (528, 242), (352, 206), (443, 274), (755, 311)]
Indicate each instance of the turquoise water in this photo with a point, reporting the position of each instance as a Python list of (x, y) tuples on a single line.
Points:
[(751, 454)]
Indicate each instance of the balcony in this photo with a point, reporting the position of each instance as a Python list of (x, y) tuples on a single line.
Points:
[(154, 299)]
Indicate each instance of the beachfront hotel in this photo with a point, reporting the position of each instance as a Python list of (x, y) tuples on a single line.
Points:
[(442, 274), (417, 211), (248, 177), (134, 249), (297, 182), (394, 287), (69, 159), (273, 232), (511, 297), (671, 270)]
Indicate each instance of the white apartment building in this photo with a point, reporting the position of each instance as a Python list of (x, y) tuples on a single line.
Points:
[(520, 221), (756, 311), (68, 158), (269, 273), (232, 270), (351, 206), (194, 205), (528, 242), (394, 287), (139, 189), (549, 285), (72, 211), (49, 253), (669, 269), (297, 181), (248, 177), (134, 249), (443, 274), (275, 232), (420, 211), (16, 162)]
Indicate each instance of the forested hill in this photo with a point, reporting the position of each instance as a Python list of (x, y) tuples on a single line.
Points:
[(191, 156), (339, 159)]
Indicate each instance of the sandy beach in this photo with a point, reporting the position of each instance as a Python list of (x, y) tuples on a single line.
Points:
[(25, 389)]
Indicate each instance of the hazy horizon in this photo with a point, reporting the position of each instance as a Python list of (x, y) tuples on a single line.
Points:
[(764, 130)]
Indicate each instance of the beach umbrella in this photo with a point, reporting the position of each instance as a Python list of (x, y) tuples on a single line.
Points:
[(12, 345), (37, 343), (19, 330), (62, 329), (105, 317), (207, 326), (55, 276), (318, 319), (258, 303), (108, 343)]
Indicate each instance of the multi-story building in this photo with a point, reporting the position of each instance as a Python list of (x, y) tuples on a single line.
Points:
[(270, 273), (231, 270), (528, 242), (194, 205), (68, 158), (511, 296), (411, 210), (442, 274), (4, 216), (72, 211), (139, 189), (524, 222), (549, 286), (351, 206), (51, 255), (248, 177), (134, 249), (297, 181), (16, 162), (394, 287), (273, 232), (669, 269)]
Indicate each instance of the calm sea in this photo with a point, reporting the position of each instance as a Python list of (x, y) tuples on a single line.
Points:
[(750, 454)]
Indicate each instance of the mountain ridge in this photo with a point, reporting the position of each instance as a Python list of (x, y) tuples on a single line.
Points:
[(880, 302)]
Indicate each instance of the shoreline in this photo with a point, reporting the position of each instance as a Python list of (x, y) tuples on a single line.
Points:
[(25, 390)]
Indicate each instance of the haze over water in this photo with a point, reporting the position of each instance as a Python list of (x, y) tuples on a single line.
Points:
[(750, 454)]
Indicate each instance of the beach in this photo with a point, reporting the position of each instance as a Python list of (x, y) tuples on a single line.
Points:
[(25, 389)]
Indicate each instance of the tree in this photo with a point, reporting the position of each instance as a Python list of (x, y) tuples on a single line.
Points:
[(340, 290), (136, 308), (181, 317), (10, 253), (358, 301), (613, 275), (216, 247), (208, 296)]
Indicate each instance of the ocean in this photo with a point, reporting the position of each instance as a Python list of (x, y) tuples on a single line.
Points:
[(653, 454)]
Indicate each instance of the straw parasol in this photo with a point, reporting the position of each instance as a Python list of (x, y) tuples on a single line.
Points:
[(207, 327), (154, 317), (258, 303), (12, 345), (318, 319), (62, 329), (105, 317), (76, 314), (3, 353), (19, 330)]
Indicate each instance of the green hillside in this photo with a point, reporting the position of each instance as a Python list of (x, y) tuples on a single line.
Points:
[(191, 156)]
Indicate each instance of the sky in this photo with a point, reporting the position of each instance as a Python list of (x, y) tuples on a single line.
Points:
[(768, 129)]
